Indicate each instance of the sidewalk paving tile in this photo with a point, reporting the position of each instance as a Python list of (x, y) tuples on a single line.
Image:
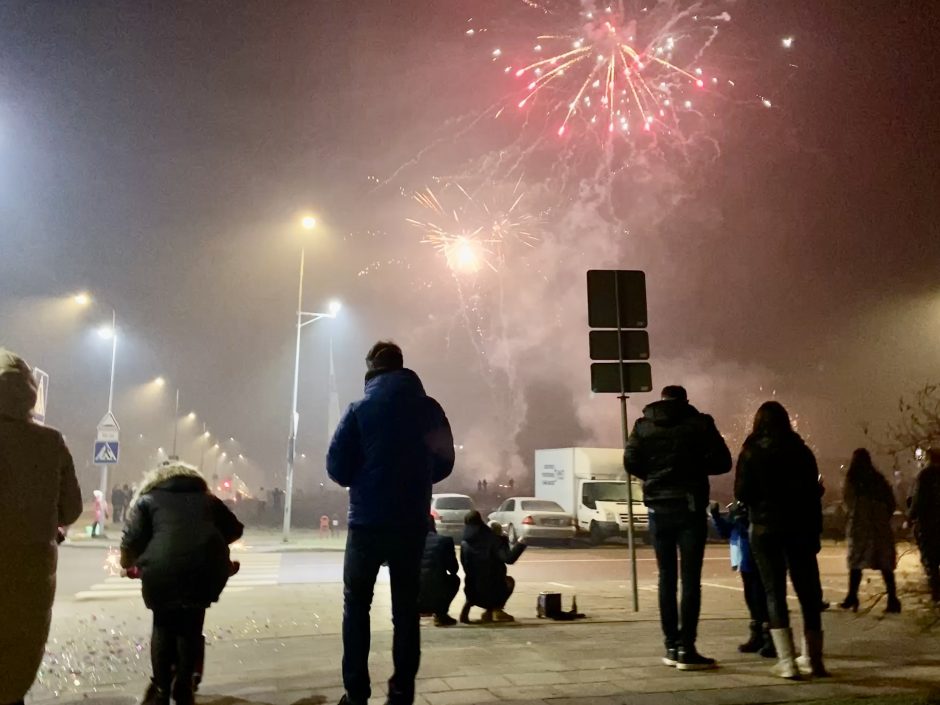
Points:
[(473, 682), (539, 678), (459, 697)]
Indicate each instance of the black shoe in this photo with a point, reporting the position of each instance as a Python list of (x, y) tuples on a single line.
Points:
[(155, 696), (894, 606), (183, 692), (692, 660), (850, 603), (768, 650), (755, 642), (346, 700), (444, 620), (672, 657)]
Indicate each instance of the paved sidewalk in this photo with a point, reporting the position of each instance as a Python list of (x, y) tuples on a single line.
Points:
[(259, 540), (282, 646)]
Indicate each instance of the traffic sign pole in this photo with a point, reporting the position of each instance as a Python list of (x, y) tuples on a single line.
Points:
[(626, 434)]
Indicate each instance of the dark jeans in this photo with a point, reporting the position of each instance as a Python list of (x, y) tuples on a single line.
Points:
[(366, 550), (176, 645), (777, 554), (679, 535), (755, 597)]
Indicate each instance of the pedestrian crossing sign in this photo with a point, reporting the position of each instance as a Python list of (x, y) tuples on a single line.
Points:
[(106, 452)]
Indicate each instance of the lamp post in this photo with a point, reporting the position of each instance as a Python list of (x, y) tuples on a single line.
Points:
[(304, 318), (106, 332)]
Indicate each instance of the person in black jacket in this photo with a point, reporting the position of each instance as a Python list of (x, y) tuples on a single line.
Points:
[(177, 535), (924, 512), (778, 480), (439, 580), (484, 555), (388, 449), (674, 448)]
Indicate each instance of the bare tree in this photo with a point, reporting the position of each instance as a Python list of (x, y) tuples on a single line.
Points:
[(918, 425)]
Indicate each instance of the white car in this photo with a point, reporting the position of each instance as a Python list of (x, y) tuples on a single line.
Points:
[(449, 511), (531, 518)]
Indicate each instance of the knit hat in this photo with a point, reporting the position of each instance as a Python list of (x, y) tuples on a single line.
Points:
[(17, 386)]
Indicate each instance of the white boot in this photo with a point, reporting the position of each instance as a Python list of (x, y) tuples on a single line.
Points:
[(786, 652), (811, 662)]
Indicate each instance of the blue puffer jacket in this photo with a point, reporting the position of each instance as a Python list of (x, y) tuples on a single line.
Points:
[(388, 449)]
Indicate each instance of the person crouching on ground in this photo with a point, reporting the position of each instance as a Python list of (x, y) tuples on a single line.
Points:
[(439, 580), (178, 534), (734, 528), (484, 555)]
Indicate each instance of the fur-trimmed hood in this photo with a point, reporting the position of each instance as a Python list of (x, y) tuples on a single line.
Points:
[(17, 387), (173, 476)]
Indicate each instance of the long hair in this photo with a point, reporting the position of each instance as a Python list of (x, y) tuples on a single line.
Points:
[(771, 419), (862, 477)]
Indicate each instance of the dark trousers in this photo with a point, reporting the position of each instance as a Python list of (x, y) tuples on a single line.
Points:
[(366, 550), (776, 555), (930, 559), (176, 646), (754, 596), (679, 542), (451, 588)]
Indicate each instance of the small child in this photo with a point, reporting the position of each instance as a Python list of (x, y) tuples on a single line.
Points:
[(176, 540), (735, 530)]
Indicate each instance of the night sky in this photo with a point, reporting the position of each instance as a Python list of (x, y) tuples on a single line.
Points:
[(159, 155)]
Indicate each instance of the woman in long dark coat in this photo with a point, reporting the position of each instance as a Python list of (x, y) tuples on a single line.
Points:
[(778, 481), (38, 494), (869, 504)]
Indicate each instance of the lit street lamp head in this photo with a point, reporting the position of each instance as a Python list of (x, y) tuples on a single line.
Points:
[(82, 299), (191, 416), (106, 332), (334, 307), (159, 381), (308, 222)]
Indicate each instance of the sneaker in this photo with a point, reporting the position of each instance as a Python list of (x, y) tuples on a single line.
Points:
[(501, 616), (671, 658), (692, 660), (444, 620), (346, 700), (155, 696), (487, 617)]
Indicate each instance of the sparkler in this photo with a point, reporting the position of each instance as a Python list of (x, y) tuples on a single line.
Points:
[(620, 71), (112, 562)]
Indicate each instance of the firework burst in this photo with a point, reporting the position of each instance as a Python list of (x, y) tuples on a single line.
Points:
[(473, 234), (620, 70)]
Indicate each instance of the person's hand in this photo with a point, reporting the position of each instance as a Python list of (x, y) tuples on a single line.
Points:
[(714, 508)]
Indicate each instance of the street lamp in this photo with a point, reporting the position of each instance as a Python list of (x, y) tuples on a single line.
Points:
[(159, 381), (304, 318), (82, 299)]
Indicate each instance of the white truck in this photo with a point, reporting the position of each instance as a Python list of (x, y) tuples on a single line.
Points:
[(591, 485)]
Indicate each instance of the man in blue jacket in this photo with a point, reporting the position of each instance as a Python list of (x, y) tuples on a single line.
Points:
[(388, 449)]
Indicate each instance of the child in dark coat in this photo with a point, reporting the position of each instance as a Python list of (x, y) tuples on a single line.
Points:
[(177, 535), (734, 529)]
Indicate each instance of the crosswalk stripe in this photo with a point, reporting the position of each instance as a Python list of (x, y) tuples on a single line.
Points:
[(260, 571)]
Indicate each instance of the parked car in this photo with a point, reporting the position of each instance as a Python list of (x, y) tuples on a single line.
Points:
[(449, 511), (531, 518)]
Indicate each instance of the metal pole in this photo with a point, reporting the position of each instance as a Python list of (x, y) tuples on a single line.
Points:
[(104, 468), (292, 436), (626, 432), (113, 359), (176, 424)]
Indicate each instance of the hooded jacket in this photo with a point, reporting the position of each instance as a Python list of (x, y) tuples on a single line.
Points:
[(778, 480), (38, 494), (388, 449), (673, 449), (178, 533), (484, 557)]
